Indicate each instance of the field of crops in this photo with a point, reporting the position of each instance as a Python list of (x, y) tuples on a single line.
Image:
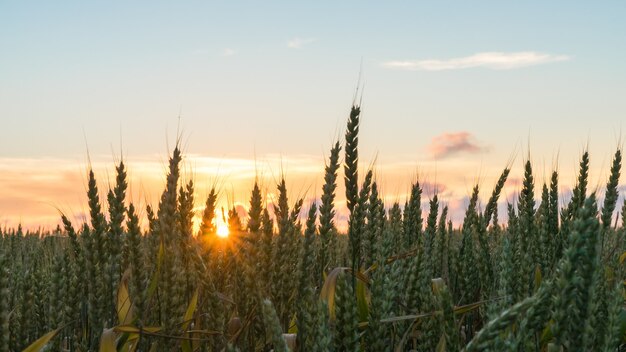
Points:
[(402, 278)]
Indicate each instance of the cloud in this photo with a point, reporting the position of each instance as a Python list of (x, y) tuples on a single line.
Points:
[(33, 188), (449, 144), (431, 188), (228, 52), (489, 60), (297, 43)]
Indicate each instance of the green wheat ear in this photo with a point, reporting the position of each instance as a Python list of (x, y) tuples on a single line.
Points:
[(256, 208), (351, 160), (610, 197), (137, 269), (306, 283), (327, 229), (346, 334), (5, 309), (207, 227), (273, 326)]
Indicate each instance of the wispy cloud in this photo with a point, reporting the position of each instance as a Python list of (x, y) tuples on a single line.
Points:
[(297, 43), (489, 60), (449, 144), (228, 52)]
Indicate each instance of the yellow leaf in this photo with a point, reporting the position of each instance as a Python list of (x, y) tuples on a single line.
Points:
[(124, 312), (537, 277), (362, 300), (328, 290), (327, 293), (155, 277), (441, 346), (622, 258), (42, 341), (153, 347), (467, 308), (186, 346), (293, 326), (190, 310), (133, 347), (135, 330), (546, 334), (107, 341), (371, 268), (127, 329)]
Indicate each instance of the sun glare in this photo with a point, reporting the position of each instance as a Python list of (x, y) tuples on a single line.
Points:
[(222, 230)]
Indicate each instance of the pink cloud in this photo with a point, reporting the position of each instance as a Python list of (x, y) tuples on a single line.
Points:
[(516, 182), (449, 144), (431, 188)]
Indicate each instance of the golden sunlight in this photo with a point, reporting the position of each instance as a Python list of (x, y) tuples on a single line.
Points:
[(222, 230)]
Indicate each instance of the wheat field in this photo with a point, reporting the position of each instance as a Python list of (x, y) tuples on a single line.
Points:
[(402, 277)]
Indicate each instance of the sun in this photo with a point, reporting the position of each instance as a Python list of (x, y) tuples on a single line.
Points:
[(222, 230)]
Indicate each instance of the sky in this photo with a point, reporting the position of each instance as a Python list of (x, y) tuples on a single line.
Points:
[(451, 93)]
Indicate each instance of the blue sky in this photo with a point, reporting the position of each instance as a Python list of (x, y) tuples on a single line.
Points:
[(277, 78)]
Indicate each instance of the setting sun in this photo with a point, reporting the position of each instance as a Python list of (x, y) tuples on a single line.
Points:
[(222, 230)]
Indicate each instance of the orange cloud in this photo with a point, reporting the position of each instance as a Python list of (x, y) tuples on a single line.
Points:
[(35, 190)]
